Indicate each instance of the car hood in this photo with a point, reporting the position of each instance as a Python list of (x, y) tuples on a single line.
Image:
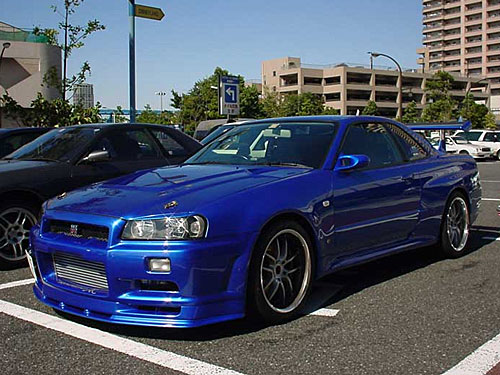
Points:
[(9, 166), (183, 189)]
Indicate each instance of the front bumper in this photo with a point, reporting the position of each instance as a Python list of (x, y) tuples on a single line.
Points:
[(207, 281)]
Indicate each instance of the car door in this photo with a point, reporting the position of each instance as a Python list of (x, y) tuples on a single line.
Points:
[(377, 205), (129, 149)]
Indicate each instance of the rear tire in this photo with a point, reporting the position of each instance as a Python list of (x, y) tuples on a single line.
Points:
[(455, 226), (280, 272), (16, 219), (498, 155)]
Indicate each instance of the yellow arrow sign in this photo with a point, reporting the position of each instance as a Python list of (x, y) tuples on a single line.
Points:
[(144, 11)]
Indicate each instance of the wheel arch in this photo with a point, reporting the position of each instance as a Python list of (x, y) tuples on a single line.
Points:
[(25, 195)]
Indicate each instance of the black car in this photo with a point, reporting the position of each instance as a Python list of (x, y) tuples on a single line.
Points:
[(13, 138), (71, 157)]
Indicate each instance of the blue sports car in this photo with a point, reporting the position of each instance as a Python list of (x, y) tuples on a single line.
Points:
[(250, 221)]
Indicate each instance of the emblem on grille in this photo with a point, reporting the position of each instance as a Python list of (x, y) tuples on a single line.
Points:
[(73, 230)]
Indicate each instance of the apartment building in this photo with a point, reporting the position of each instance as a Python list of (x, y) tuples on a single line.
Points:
[(463, 37), (348, 87)]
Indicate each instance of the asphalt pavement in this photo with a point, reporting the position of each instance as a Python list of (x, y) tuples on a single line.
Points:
[(412, 313)]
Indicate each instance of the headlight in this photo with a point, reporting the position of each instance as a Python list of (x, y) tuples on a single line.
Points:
[(169, 228)]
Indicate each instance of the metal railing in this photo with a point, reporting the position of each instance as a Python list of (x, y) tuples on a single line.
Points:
[(16, 34)]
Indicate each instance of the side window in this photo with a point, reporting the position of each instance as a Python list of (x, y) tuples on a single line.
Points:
[(490, 137), (129, 145), (412, 150), (374, 141), (169, 144)]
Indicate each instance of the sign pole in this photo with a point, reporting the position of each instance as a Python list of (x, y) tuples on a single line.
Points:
[(131, 46)]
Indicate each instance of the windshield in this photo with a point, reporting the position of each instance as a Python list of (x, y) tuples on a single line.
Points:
[(220, 130), (291, 144), (471, 136), (56, 145)]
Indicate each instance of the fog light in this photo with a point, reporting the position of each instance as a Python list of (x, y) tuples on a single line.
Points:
[(159, 264)]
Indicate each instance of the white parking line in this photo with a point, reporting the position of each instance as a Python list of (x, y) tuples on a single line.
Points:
[(325, 312), (16, 283), (492, 238), (132, 348), (490, 181), (480, 361), (490, 199)]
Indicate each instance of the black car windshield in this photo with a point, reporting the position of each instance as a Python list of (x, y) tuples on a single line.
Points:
[(57, 145), (295, 144)]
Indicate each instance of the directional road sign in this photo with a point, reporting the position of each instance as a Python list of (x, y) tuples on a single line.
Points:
[(148, 12), (229, 95)]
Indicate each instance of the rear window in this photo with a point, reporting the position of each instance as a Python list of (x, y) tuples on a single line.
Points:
[(470, 136)]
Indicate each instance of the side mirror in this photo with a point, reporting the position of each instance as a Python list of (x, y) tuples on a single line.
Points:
[(351, 162), (96, 156)]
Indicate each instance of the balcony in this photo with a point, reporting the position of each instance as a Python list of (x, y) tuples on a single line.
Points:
[(313, 81)]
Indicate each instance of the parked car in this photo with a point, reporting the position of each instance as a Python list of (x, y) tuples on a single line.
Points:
[(248, 222), (13, 138), (218, 130), (459, 145), (483, 138), (67, 158)]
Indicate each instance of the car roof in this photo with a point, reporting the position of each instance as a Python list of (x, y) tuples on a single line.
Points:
[(23, 130), (117, 125), (320, 118)]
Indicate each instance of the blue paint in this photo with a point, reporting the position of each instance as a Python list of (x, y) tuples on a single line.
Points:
[(354, 216)]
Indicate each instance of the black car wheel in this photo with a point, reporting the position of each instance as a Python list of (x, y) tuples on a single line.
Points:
[(455, 226), (280, 272), (16, 220)]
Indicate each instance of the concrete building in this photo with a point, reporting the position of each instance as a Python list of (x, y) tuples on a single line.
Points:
[(84, 95), (26, 59), (348, 88), (463, 36)]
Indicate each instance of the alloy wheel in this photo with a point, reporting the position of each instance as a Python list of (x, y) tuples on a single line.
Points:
[(457, 224), (15, 225), (285, 271)]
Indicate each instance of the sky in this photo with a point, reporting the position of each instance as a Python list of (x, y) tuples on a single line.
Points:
[(196, 36)]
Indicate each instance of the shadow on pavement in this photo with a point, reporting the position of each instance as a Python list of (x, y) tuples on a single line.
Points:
[(326, 291)]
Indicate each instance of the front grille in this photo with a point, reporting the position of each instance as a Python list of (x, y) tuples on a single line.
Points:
[(86, 275), (78, 230)]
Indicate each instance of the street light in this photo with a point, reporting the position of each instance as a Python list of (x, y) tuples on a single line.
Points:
[(161, 94), (5, 46), (400, 87)]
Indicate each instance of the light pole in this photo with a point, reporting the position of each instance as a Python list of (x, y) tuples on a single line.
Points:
[(400, 87), (161, 94), (5, 46)]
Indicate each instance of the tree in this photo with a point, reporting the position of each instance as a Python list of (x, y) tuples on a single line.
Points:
[(490, 121), (119, 116), (250, 105), (474, 112), (73, 37), (442, 106), (330, 111), (148, 116), (370, 109), (271, 104), (410, 113)]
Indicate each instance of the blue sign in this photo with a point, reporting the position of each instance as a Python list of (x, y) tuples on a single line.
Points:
[(229, 88)]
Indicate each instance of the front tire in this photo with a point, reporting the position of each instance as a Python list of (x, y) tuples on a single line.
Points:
[(455, 226), (280, 272), (16, 219)]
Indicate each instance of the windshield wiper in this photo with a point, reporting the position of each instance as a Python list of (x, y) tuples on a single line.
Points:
[(284, 164), (39, 159)]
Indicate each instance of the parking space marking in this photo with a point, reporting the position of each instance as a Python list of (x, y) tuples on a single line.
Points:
[(16, 283), (490, 181), (479, 362), (129, 347), (492, 238), (325, 312), (490, 199)]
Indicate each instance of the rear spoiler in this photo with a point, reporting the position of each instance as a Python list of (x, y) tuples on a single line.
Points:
[(441, 126)]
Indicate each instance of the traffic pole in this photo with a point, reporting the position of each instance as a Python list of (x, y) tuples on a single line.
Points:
[(131, 47)]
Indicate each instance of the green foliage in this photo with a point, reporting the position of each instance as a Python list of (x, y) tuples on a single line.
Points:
[(442, 107), (370, 109), (410, 113), (330, 111), (119, 116), (271, 104), (250, 105), (46, 113), (148, 116), (474, 112), (490, 121), (73, 38)]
